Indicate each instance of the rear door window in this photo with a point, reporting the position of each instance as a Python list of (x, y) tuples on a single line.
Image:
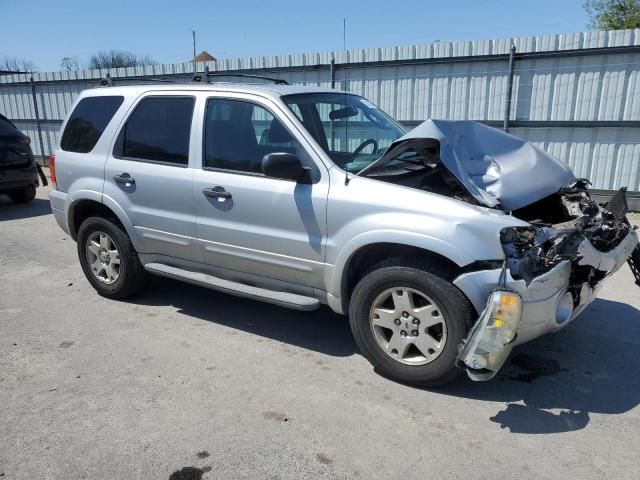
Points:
[(158, 130), (87, 122)]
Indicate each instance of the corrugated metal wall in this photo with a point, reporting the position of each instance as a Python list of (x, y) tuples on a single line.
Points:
[(575, 95)]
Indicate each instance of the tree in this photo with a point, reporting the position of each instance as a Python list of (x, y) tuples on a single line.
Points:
[(14, 64), (613, 14), (71, 64), (119, 58)]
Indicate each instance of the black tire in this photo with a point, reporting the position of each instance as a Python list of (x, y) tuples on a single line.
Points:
[(132, 276), (23, 196), (455, 308)]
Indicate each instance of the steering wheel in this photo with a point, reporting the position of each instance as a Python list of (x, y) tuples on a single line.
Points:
[(365, 144)]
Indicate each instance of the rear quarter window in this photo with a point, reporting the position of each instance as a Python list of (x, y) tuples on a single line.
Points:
[(87, 122), (6, 127)]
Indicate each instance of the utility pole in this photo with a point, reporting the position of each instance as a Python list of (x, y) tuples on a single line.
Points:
[(508, 99), (43, 155), (194, 51)]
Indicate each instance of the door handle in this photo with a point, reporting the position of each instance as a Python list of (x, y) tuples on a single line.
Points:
[(216, 192), (125, 179)]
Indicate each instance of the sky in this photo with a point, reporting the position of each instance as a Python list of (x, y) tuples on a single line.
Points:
[(45, 31)]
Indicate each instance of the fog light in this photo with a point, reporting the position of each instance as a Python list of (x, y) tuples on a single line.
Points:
[(486, 347), (564, 309)]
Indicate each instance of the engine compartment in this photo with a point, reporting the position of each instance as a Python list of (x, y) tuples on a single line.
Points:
[(562, 224), (421, 168)]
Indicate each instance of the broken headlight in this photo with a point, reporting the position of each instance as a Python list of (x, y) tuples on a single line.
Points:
[(487, 346)]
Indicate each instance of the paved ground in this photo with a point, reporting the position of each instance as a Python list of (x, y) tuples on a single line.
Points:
[(183, 379)]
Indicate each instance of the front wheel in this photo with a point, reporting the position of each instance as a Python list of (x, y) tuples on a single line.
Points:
[(409, 321), (108, 258)]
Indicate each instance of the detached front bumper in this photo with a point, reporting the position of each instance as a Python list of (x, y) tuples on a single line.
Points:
[(548, 303)]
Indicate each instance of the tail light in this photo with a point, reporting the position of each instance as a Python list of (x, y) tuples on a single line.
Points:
[(25, 140), (52, 171)]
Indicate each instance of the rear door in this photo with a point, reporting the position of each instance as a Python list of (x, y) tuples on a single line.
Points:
[(148, 173), (261, 226)]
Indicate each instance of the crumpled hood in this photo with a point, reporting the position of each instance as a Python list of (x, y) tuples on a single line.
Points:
[(494, 166)]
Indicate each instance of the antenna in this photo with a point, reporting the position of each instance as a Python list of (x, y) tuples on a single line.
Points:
[(344, 33), (346, 120)]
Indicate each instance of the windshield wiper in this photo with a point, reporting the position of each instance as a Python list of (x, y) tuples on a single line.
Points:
[(399, 164)]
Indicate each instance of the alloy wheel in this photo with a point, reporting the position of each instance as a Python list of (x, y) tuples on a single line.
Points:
[(408, 325), (103, 257)]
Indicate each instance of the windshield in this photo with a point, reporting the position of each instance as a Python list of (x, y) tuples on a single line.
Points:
[(351, 130)]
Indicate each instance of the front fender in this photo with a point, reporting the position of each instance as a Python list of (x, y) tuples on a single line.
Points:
[(400, 237)]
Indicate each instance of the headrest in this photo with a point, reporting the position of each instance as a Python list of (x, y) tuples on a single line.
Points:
[(277, 132)]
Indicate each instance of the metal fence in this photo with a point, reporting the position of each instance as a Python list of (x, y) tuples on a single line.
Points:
[(576, 96)]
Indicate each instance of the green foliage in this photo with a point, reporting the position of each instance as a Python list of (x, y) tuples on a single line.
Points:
[(613, 14)]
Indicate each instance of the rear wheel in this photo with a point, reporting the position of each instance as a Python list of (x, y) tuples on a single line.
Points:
[(408, 322), (23, 196), (108, 258)]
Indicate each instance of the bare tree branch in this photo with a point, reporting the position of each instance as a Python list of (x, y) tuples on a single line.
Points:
[(71, 64), (118, 58), (14, 64)]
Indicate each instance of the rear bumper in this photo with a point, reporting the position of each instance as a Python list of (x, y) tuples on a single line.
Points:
[(60, 206), (18, 178), (547, 304)]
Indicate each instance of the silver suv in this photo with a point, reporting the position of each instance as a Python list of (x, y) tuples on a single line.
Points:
[(446, 245)]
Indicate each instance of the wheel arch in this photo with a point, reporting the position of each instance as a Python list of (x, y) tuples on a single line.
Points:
[(361, 260), (83, 208)]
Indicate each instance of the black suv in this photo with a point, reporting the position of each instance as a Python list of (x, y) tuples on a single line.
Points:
[(18, 169)]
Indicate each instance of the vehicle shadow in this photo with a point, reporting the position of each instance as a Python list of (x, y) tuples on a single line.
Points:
[(15, 211), (554, 383), (319, 330), (550, 385)]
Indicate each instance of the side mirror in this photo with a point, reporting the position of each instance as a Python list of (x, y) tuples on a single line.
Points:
[(286, 166)]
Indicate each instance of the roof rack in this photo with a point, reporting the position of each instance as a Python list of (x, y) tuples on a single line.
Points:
[(205, 77), (108, 80)]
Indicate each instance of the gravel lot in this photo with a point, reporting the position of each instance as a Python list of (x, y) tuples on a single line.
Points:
[(187, 383)]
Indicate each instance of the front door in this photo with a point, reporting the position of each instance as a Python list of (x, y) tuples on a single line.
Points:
[(246, 221), (148, 175)]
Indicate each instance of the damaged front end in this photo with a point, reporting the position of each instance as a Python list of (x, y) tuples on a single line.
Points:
[(554, 268), (554, 262)]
